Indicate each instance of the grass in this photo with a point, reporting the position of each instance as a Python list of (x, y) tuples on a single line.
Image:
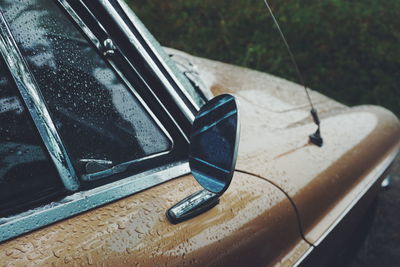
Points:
[(347, 50)]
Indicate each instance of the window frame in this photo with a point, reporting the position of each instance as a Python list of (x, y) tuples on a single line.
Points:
[(80, 201), (160, 62)]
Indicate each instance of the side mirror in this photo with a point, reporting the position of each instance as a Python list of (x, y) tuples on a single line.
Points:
[(213, 149)]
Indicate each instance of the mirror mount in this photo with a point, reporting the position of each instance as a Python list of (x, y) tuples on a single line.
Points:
[(193, 205), (213, 149)]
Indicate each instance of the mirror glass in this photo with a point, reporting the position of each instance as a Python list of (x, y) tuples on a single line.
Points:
[(214, 143)]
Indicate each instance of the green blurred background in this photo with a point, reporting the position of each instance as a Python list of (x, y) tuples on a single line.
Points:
[(347, 50)]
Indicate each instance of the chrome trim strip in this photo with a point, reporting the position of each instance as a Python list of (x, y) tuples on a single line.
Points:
[(375, 174), (166, 62), (118, 168), (192, 202), (36, 106), (158, 100), (83, 201), (145, 105), (97, 43), (79, 202), (304, 256), (191, 206), (379, 170), (136, 43)]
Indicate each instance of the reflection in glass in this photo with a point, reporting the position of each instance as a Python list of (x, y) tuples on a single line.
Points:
[(27, 175), (95, 113), (214, 143)]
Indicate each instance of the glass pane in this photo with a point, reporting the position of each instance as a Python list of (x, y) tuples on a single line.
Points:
[(97, 116), (27, 174)]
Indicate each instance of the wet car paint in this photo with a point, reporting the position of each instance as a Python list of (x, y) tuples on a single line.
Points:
[(253, 224), (274, 142)]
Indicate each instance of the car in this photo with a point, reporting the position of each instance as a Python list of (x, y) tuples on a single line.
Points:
[(115, 151)]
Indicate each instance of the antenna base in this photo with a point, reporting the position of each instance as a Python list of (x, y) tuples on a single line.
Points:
[(316, 138)]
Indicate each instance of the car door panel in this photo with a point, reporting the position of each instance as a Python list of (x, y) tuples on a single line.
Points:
[(253, 224)]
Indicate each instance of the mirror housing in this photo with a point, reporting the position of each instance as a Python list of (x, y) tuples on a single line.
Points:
[(213, 150)]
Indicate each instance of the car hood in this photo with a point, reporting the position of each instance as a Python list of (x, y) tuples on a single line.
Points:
[(323, 182)]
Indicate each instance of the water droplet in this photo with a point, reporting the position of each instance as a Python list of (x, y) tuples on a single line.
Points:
[(121, 225), (56, 254)]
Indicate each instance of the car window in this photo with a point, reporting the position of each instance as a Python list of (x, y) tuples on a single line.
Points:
[(96, 114), (27, 175)]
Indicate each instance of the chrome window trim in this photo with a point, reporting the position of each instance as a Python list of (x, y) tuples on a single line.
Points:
[(97, 43), (142, 50), (13, 226), (36, 106), (183, 84), (82, 201), (118, 168)]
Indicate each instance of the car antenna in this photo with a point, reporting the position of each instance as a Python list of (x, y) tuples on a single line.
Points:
[(316, 137)]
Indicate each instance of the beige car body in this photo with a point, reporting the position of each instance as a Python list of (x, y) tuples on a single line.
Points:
[(287, 196)]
